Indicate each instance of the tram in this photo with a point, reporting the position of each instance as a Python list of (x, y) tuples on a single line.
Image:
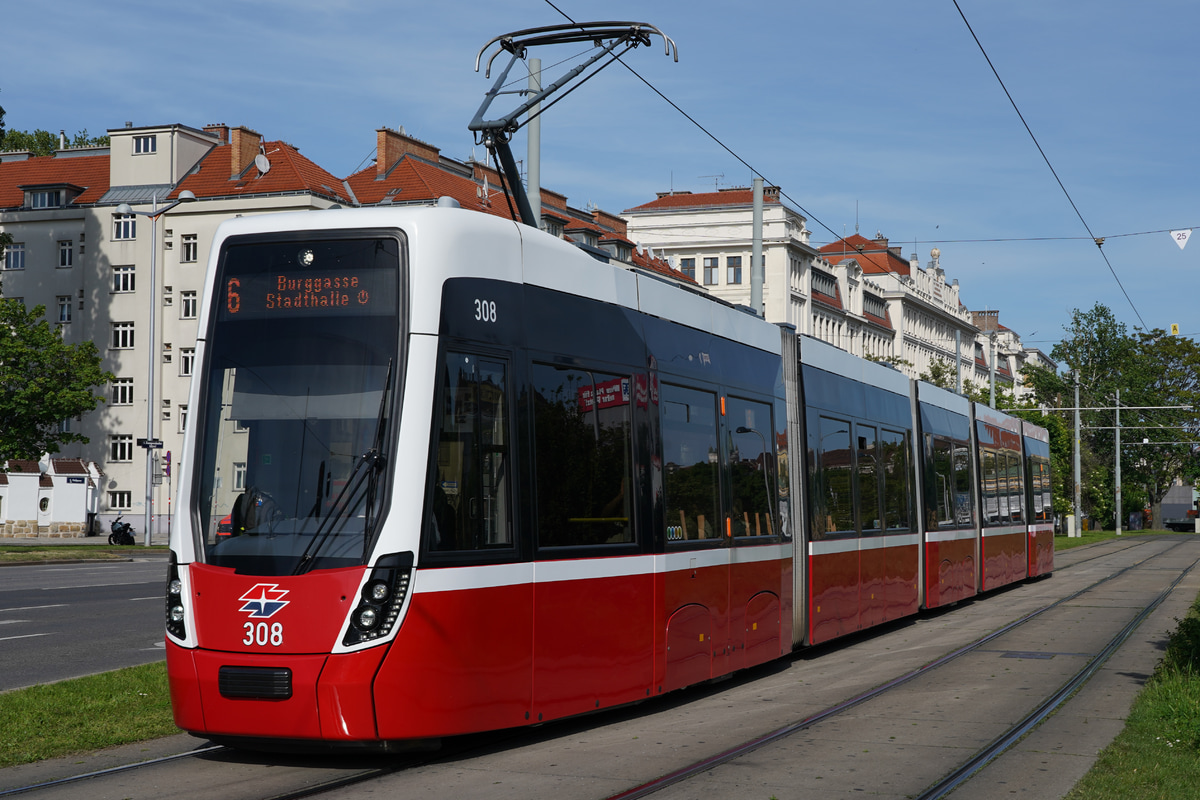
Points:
[(447, 473)]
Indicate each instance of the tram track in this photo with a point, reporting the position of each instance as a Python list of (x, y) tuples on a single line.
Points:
[(472, 750), (984, 756)]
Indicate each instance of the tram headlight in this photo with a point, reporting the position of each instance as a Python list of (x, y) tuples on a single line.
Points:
[(366, 618), (175, 611), (381, 599), (376, 592)]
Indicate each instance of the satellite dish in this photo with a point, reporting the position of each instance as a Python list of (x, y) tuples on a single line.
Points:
[(263, 164)]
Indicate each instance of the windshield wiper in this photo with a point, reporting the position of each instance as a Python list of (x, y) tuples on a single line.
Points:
[(367, 468)]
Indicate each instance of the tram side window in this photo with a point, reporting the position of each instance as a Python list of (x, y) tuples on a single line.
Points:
[(750, 441), (1042, 502), (868, 479), (939, 492), (691, 461), (832, 479), (584, 456), (1016, 488), (992, 491), (964, 515), (470, 492), (894, 461)]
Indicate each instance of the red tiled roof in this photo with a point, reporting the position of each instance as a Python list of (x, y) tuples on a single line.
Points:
[(290, 172), (881, 321), (835, 300), (686, 200), (416, 180), (88, 172), (872, 255), (68, 466), (23, 466)]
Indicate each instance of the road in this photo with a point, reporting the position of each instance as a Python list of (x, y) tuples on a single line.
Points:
[(61, 621)]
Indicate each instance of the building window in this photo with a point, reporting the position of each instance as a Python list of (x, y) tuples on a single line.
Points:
[(239, 476), (47, 199), (183, 418), (188, 305), (688, 267), (66, 254), (124, 227), (190, 248), (145, 144), (122, 336), (64, 309), (14, 256), (733, 269), (123, 278), (710, 271), (122, 392), (120, 501), (120, 447), (187, 360)]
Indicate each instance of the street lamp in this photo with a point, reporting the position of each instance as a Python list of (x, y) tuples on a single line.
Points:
[(154, 213)]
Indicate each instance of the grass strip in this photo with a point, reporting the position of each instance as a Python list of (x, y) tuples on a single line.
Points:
[(24, 553), (98, 711), (1157, 755)]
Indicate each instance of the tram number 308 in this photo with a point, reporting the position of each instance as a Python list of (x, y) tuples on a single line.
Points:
[(485, 310), (262, 634)]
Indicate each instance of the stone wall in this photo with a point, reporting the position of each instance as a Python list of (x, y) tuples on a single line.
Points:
[(29, 529)]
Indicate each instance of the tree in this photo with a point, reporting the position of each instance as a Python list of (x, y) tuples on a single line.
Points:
[(1158, 448), (45, 143), (43, 381)]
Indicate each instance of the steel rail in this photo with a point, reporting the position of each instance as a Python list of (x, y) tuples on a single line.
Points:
[(699, 767), (110, 771), (1014, 734)]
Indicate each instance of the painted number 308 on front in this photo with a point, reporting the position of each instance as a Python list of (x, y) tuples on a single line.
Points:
[(263, 634)]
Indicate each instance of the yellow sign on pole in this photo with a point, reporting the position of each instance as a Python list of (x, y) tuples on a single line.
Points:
[(1174, 328)]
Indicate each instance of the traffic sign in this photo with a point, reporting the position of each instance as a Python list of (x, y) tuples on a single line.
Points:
[(150, 444)]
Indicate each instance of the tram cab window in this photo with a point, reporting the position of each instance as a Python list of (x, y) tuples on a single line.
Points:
[(691, 461), (583, 454), (470, 476), (752, 472)]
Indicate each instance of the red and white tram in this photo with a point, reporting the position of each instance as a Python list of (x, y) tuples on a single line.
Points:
[(448, 473)]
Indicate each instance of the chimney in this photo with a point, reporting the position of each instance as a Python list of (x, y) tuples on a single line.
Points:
[(220, 130), (245, 144), (392, 145)]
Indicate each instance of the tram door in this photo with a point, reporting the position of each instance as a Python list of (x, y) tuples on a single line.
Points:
[(696, 597)]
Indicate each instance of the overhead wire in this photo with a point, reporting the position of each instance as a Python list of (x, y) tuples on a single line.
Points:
[(1099, 241)]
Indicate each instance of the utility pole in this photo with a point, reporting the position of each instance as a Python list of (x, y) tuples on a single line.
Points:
[(1118, 476), (1079, 499)]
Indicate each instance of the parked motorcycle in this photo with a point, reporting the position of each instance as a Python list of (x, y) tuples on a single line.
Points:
[(122, 532)]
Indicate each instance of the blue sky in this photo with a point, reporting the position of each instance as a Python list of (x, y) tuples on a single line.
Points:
[(871, 109)]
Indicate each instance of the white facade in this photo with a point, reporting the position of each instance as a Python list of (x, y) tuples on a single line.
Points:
[(90, 268)]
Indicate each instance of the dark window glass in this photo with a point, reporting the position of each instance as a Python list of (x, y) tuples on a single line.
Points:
[(964, 514), (471, 476), (939, 490), (992, 490), (584, 456), (690, 464), (1016, 488), (832, 483), (868, 479), (893, 447), (751, 468)]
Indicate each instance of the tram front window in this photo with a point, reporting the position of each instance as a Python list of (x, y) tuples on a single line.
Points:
[(300, 382)]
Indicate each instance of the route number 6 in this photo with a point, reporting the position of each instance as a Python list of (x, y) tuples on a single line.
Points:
[(262, 635)]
